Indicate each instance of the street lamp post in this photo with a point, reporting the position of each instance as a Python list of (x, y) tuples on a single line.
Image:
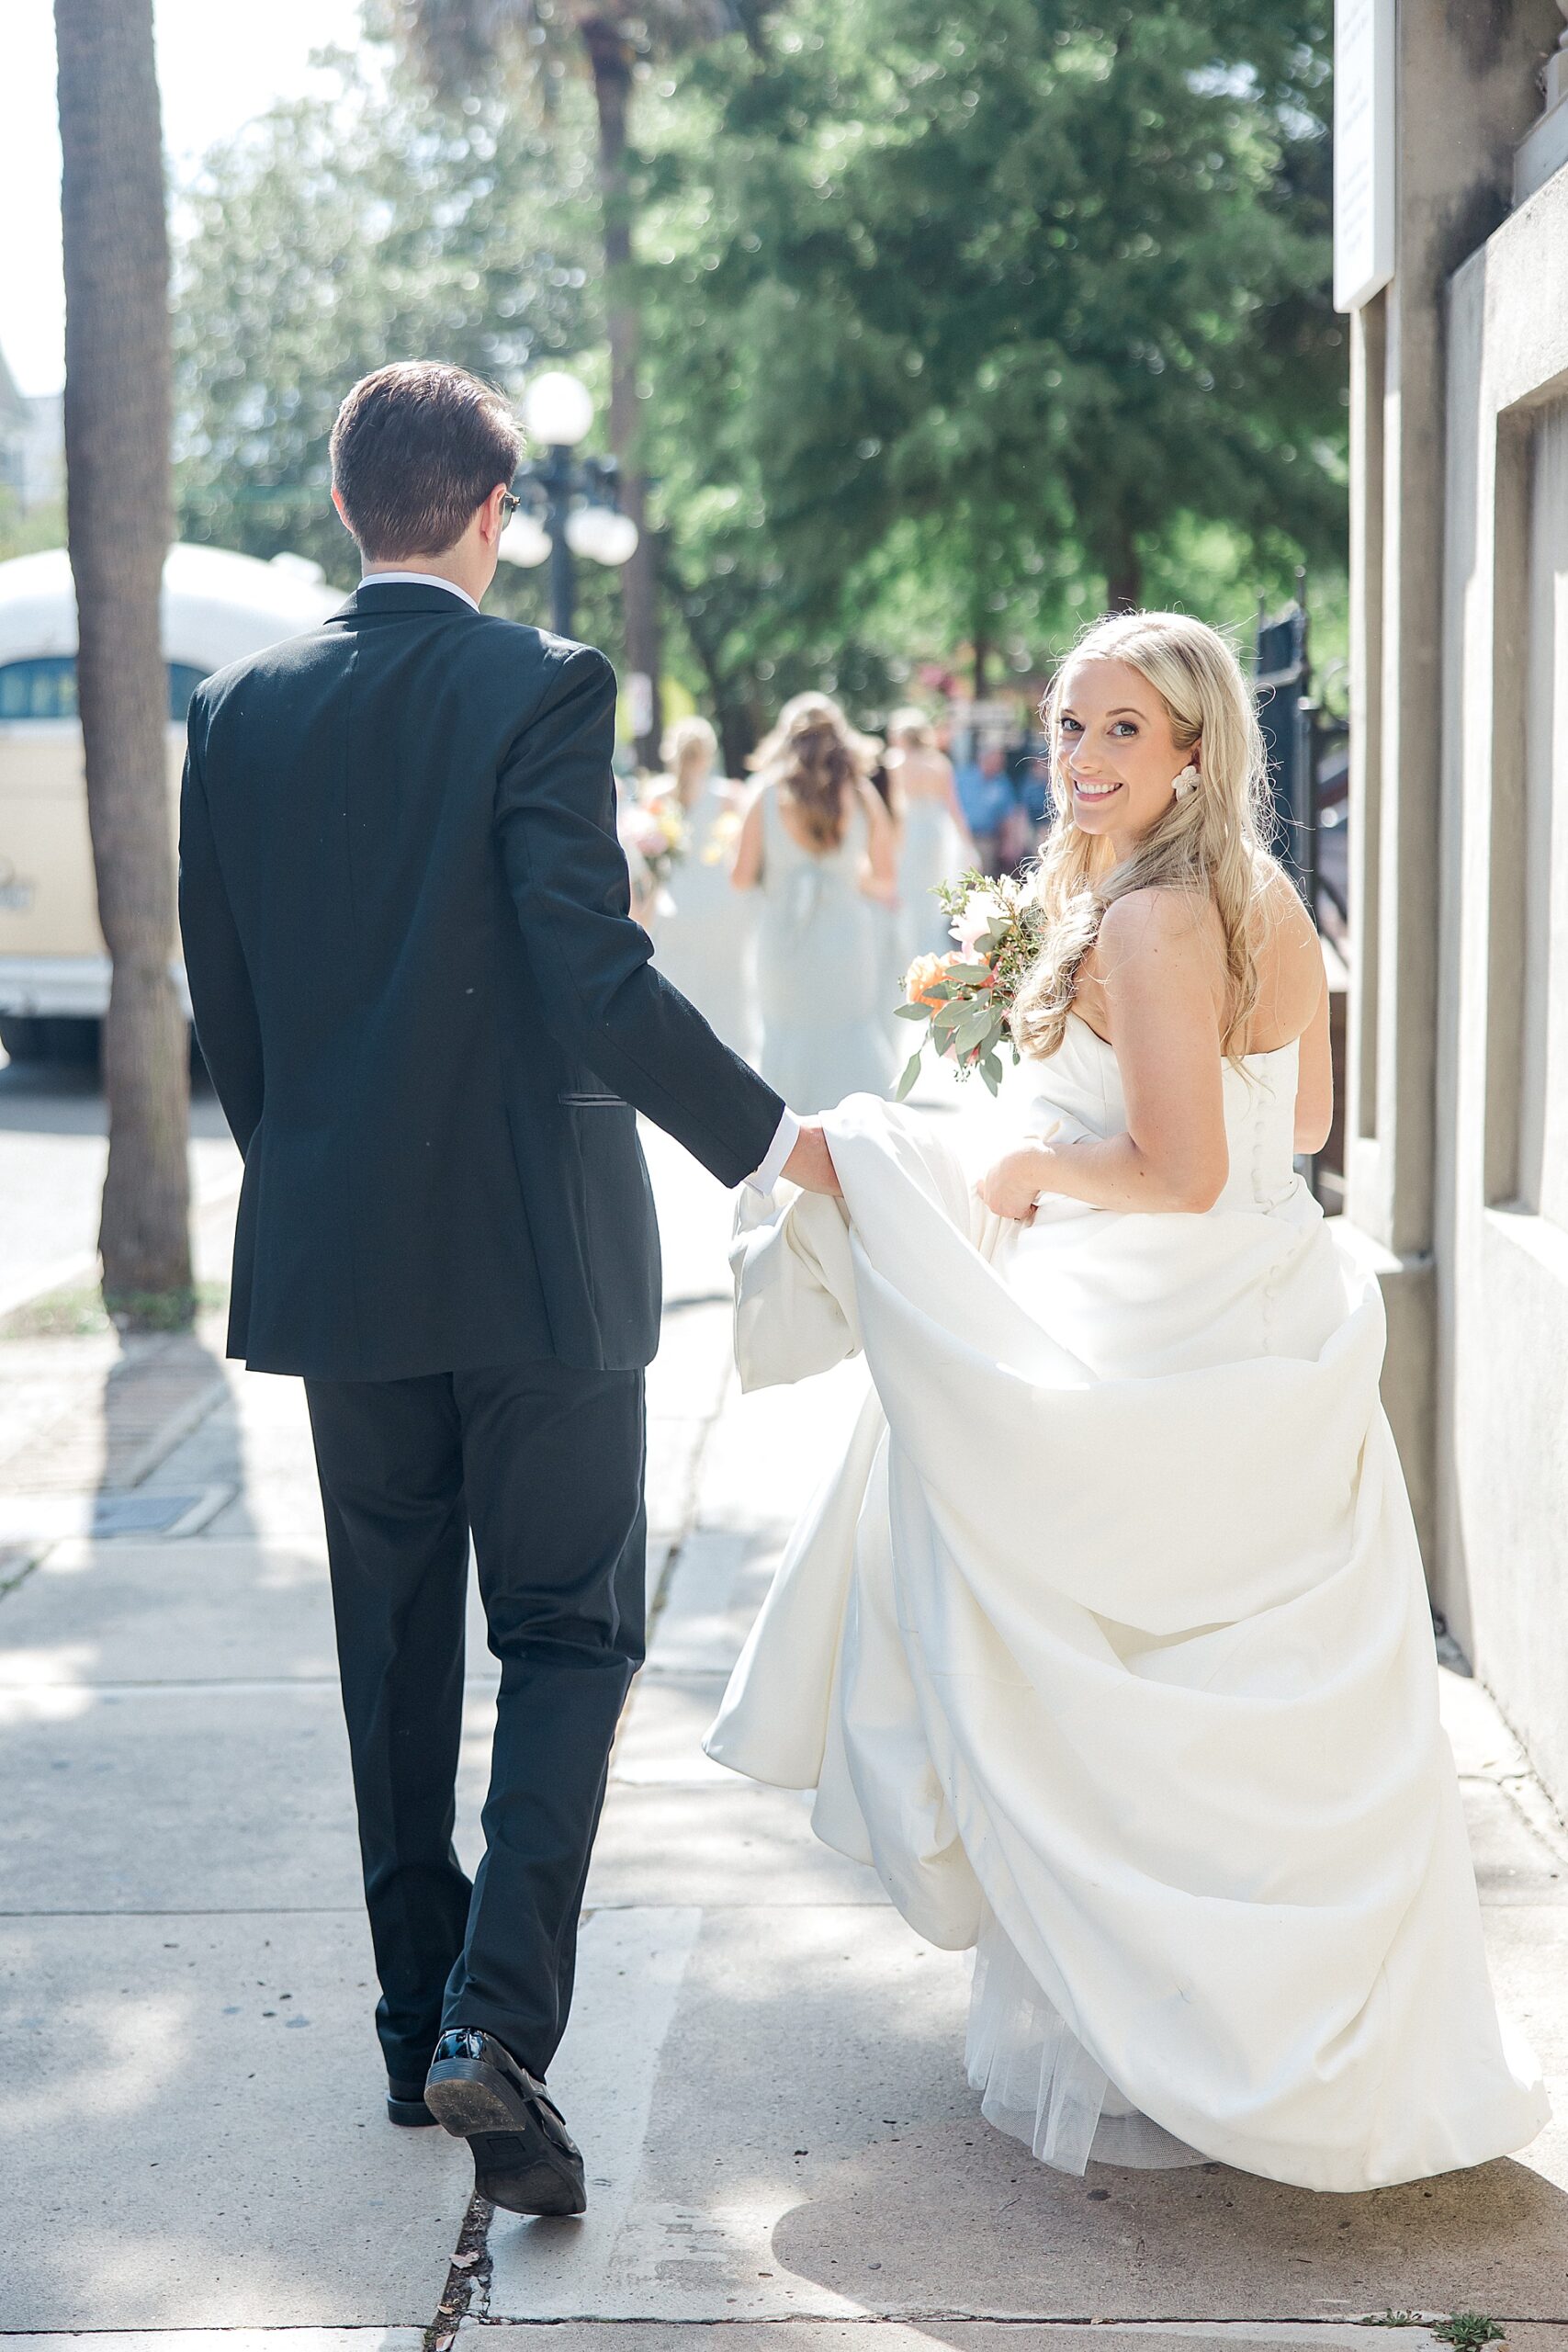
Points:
[(569, 502)]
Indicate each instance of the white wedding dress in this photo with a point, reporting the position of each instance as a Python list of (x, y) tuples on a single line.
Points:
[(1107, 1643)]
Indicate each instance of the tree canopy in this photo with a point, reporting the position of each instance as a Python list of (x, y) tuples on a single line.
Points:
[(1009, 305), (952, 330), (336, 234)]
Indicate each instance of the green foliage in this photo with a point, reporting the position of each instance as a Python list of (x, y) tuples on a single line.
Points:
[(1009, 307), (949, 326), (83, 1312), (1466, 2331), (335, 235), (27, 534), (966, 1001)]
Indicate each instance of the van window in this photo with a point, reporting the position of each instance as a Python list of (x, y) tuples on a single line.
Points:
[(45, 687), (41, 689), (183, 683)]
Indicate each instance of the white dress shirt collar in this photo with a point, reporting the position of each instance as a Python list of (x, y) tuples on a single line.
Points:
[(417, 579)]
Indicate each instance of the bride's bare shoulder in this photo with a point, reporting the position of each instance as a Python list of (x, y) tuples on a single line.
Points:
[(1280, 915), (1289, 956), (1159, 919), (1150, 941)]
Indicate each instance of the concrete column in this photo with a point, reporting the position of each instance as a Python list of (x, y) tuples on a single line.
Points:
[(1466, 95)]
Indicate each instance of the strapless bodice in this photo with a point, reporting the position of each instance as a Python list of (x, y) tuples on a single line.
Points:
[(1080, 1083)]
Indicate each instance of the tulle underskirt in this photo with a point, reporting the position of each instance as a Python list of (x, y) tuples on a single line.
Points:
[(1038, 2083)]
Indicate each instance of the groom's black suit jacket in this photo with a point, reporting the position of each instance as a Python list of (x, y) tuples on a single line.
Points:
[(424, 1005)]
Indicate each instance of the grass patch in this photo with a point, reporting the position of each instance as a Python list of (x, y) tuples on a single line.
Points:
[(17, 1562), (151, 1310), (79, 1312), (1466, 2331)]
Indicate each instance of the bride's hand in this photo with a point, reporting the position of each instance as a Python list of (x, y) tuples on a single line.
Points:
[(1012, 1184)]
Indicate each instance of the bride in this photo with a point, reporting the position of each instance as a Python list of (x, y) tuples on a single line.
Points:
[(1107, 1643)]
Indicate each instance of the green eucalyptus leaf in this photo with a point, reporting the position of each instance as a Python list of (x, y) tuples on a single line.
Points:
[(979, 1028)]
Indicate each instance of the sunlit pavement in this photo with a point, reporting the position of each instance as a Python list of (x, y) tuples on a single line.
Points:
[(765, 2067), (52, 1150)]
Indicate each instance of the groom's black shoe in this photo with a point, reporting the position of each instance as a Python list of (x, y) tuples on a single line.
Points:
[(525, 2158), (405, 2104)]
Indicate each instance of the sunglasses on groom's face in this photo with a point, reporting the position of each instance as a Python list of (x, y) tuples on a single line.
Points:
[(510, 502)]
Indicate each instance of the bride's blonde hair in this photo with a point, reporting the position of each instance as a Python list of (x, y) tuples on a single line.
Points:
[(1209, 842)]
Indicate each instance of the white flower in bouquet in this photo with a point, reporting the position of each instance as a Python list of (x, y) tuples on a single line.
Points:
[(975, 918)]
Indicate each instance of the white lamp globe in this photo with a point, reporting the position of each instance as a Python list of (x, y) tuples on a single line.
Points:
[(557, 409), (601, 535), (524, 541), (619, 538)]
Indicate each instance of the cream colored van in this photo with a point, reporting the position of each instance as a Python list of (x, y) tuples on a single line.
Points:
[(218, 606)]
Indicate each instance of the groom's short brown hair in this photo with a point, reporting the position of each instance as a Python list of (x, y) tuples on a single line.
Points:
[(417, 446)]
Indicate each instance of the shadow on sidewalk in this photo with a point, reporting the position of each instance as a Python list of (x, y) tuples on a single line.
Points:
[(955, 2217)]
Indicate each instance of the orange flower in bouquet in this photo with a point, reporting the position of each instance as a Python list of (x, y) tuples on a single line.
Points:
[(923, 981), (965, 995)]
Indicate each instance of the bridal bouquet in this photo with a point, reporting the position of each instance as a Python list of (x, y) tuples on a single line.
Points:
[(964, 997)]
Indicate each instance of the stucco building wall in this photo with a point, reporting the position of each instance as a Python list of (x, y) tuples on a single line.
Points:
[(1500, 1564), (1456, 1164)]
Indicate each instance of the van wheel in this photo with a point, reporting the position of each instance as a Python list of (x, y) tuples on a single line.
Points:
[(24, 1036), (74, 1040), (51, 1037)]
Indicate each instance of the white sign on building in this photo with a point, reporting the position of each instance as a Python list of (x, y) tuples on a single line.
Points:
[(1364, 130)]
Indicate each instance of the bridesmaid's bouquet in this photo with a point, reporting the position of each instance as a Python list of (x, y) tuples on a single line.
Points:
[(963, 998), (657, 830), (723, 837)]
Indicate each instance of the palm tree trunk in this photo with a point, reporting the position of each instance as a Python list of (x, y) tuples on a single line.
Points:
[(735, 711), (611, 58), (118, 400), (980, 660), (1123, 570)]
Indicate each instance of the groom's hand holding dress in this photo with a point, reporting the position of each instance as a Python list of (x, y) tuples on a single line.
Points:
[(810, 1163)]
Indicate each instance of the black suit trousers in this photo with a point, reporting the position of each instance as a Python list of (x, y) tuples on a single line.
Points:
[(544, 1463)]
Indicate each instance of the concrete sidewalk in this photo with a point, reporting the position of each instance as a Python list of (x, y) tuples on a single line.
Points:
[(765, 2066)]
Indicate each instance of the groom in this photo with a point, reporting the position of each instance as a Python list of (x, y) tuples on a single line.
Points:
[(431, 1023)]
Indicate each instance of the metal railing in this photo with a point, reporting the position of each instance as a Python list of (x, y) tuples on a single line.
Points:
[(1309, 785)]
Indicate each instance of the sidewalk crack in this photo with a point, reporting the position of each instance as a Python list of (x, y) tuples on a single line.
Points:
[(466, 2295)]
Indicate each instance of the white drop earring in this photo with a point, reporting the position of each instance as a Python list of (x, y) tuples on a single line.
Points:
[(1186, 784)]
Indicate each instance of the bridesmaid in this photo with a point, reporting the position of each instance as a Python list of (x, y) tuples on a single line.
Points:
[(819, 846), (705, 935), (935, 846)]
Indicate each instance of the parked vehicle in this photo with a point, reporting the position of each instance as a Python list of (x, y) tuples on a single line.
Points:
[(217, 607)]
